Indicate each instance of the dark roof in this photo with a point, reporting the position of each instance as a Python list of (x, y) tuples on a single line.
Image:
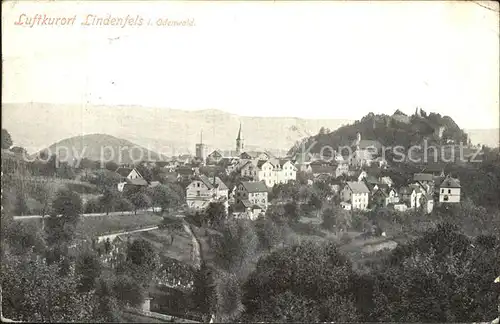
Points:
[(137, 182), (372, 180), (254, 186), (423, 177), (357, 187), (124, 172), (450, 183), (254, 154), (185, 170), (322, 169), (262, 162), (212, 182)]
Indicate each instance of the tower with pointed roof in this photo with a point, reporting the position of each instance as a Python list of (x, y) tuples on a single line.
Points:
[(239, 142)]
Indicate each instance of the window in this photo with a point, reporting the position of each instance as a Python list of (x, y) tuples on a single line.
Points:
[(449, 191), (445, 198), (442, 190), (198, 193), (198, 185)]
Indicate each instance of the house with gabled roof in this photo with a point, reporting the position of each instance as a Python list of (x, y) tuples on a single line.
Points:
[(203, 190), (449, 190), (411, 195), (215, 157), (256, 192), (356, 193), (128, 173)]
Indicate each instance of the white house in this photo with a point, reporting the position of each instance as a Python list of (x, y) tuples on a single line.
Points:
[(449, 191), (270, 172), (356, 193)]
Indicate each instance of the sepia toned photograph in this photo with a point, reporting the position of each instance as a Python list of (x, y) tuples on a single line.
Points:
[(250, 161)]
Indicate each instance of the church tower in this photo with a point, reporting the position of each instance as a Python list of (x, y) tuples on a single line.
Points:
[(239, 142)]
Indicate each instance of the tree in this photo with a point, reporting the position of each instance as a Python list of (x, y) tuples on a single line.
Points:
[(215, 215), (303, 273), (6, 139), (128, 291), (68, 205), (443, 276), (65, 171), (165, 197), (124, 204), (140, 201), (35, 292), (109, 199), (236, 245), (21, 207), (141, 262), (43, 192), (88, 269), (291, 212), (269, 233), (329, 219), (111, 166)]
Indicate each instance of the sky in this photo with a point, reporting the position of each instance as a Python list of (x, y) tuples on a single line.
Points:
[(335, 59)]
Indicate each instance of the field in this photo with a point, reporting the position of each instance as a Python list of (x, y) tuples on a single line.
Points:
[(99, 225)]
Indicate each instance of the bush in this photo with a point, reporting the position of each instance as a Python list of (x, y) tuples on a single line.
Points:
[(93, 206), (345, 239)]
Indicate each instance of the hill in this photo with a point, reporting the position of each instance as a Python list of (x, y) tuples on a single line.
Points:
[(99, 147), (396, 130), (167, 131)]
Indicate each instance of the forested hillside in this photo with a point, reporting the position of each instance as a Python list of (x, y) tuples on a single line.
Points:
[(396, 130)]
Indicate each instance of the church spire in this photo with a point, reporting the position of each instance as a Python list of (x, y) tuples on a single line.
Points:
[(239, 142), (239, 133)]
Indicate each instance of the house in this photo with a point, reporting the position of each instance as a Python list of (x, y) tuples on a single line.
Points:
[(371, 182), (386, 180), (436, 169), (411, 195), (425, 181), (364, 151), (204, 190), (360, 175), (229, 164), (248, 210), (285, 171), (427, 203), (355, 193), (449, 190), (345, 205), (320, 170), (253, 191), (341, 167), (129, 173), (215, 157), (249, 169), (254, 155), (270, 172), (384, 196)]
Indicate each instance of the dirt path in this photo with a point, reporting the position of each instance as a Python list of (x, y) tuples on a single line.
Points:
[(196, 250)]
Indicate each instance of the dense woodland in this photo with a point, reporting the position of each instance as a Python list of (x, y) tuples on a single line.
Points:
[(396, 130)]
